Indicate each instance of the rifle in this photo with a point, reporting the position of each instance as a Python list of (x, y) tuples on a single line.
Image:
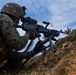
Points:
[(30, 24)]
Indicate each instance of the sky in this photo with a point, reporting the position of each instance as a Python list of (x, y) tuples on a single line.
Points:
[(61, 13)]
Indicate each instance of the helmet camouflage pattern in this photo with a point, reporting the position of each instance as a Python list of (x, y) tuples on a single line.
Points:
[(13, 9)]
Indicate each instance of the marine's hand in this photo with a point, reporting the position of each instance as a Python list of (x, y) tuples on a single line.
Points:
[(33, 34)]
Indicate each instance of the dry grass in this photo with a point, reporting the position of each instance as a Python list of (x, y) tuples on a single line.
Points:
[(58, 63)]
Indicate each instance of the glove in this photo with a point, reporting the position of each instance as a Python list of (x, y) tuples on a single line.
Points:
[(33, 34), (39, 47)]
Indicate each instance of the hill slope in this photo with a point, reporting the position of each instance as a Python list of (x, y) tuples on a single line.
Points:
[(62, 62)]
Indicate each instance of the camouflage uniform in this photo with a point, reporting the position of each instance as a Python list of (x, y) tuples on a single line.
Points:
[(10, 38)]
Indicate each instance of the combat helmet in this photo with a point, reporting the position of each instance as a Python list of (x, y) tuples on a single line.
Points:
[(13, 9)]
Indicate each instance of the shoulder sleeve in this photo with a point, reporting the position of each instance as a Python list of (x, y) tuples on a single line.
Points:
[(11, 35)]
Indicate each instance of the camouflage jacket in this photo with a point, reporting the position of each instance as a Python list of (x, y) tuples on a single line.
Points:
[(10, 37)]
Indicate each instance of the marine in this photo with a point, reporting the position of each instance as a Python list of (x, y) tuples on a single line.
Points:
[(10, 40)]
